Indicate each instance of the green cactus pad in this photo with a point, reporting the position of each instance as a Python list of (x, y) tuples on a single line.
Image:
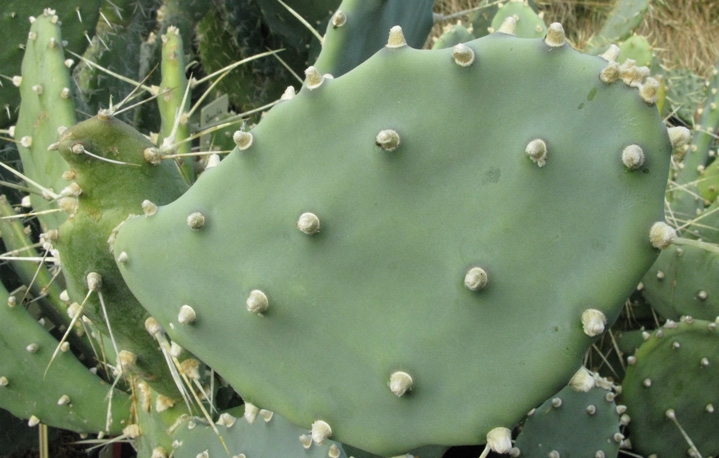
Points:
[(78, 19), (38, 277), (268, 435), (626, 16), (685, 92), (704, 139), (709, 185), (453, 35), (683, 282), (369, 230), (109, 193), (572, 423), (174, 101), (428, 451), (481, 20), (359, 28), (529, 24), (637, 48), (675, 373), (116, 46), (47, 105), (68, 396)]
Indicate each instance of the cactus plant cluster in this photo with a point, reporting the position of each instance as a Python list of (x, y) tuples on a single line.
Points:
[(404, 251)]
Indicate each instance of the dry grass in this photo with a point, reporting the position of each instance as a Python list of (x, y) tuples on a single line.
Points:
[(684, 33)]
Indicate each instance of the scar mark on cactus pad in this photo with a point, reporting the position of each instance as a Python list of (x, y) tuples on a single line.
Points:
[(492, 176)]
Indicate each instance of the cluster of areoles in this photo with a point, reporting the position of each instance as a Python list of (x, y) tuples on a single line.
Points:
[(631, 74)]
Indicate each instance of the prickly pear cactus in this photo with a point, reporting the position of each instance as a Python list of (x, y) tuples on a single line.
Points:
[(251, 432), (64, 394), (453, 35), (626, 16), (47, 108), (683, 282), (528, 22), (112, 176), (637, 48), (363, 255), (481, 20), (671, 390), (577, 421), (685, 91), (78, 19), (358, 29)]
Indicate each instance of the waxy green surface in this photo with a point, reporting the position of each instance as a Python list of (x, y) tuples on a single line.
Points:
[(380, 287)]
